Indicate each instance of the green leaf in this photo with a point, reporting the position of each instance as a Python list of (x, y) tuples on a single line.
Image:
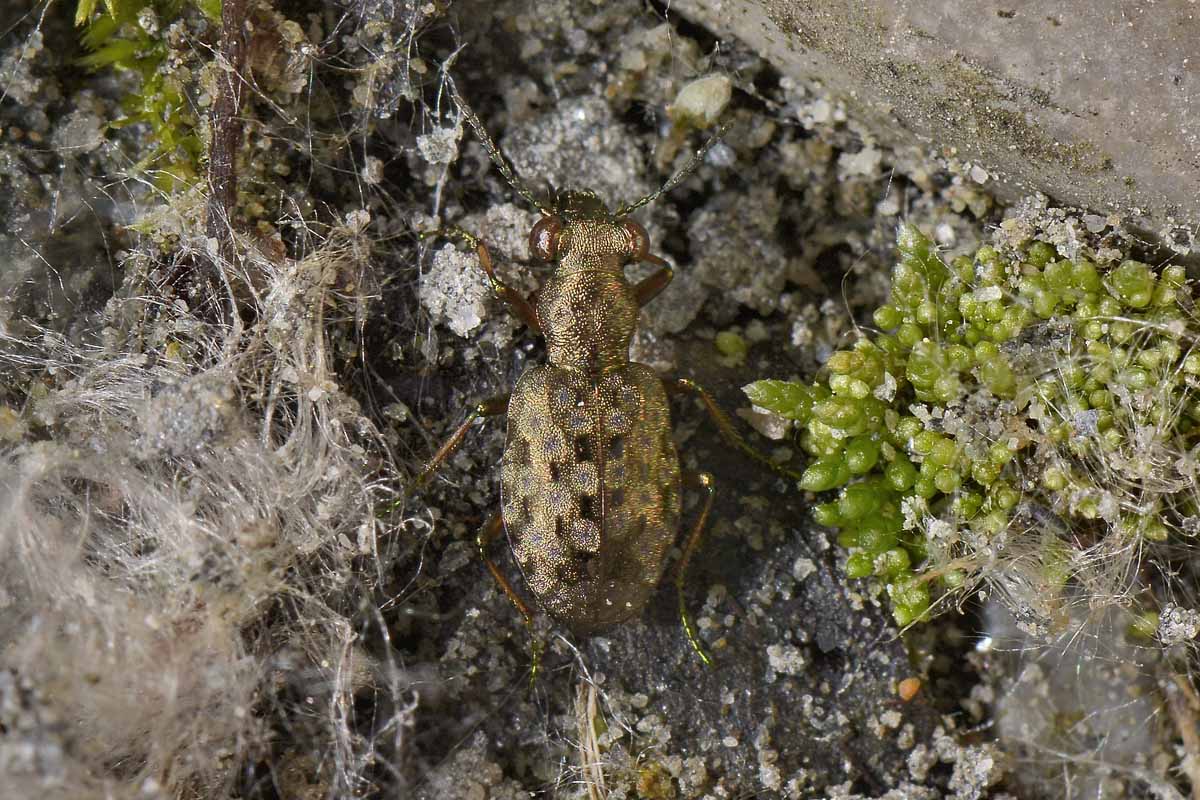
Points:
[(787, 399), (98, 32), (210, 9), (825, 474), (116, 53), (83, 12)]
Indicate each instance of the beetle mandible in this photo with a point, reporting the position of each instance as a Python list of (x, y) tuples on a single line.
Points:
[(590, 476)]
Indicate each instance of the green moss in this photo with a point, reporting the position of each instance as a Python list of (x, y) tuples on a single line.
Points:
[(732, 347), (1001, 385), (132, 36)]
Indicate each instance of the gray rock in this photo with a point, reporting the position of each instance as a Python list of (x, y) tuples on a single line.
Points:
[(1085, 102)]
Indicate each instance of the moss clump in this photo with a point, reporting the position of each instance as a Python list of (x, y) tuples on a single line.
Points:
[(1024, 418), (137, 36)]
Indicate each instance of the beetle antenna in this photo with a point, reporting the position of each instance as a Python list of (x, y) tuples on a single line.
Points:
[(494, 153), (687, 169)]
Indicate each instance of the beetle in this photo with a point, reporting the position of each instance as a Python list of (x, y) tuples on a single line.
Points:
[(590, 477)]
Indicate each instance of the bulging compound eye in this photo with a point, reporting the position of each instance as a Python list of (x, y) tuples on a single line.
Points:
[(543, 239), (639, 241)]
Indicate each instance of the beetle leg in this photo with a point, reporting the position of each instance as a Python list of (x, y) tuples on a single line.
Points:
[(483, 540), (704, 481), (725, 426), (649, 287), (517, 304), (493, 406)]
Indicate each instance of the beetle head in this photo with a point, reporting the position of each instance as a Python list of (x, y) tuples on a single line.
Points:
[(572, 204), (580, 215), (575, 214)]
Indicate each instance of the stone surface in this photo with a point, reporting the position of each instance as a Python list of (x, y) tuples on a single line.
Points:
[(1091, 103)]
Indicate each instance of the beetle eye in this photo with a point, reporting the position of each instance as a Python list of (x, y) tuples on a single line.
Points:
[(543, 239), (639, 241)]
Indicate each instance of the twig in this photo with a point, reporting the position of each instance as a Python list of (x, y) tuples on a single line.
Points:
[(227, 137), (1184, 704), (589, 747)]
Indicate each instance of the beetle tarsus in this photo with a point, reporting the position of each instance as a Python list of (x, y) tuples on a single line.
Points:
[(725, 426), (704, 481)]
